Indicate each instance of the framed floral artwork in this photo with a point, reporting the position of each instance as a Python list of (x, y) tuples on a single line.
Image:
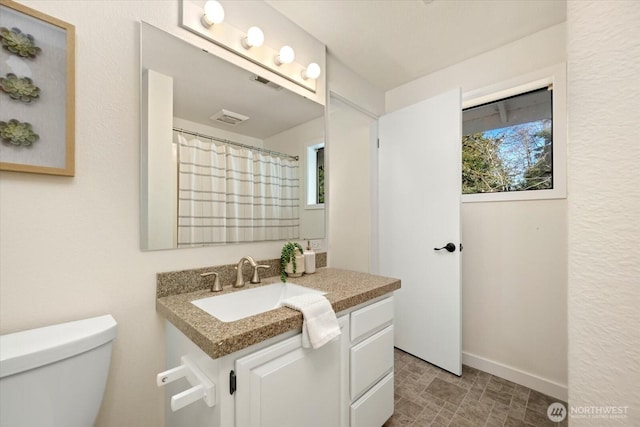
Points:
[(37, 92)]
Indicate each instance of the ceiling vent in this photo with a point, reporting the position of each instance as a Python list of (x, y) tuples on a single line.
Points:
[(265, 82), (229, 117)]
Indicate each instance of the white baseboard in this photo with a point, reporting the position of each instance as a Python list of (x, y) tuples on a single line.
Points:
[(534, 382)]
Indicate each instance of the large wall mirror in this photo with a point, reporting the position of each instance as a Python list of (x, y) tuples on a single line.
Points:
[(227, 156)]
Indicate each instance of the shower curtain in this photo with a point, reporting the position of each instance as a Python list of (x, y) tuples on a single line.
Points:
[(233, 195)]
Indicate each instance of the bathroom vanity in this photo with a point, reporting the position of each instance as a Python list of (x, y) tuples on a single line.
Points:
[(259, 373)]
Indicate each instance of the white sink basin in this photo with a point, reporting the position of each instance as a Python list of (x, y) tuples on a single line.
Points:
[(240, 304)]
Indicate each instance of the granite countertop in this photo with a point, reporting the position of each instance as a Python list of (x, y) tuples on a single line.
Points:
[(344, 289)]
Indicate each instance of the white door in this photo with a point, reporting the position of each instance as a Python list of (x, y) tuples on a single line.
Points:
[(419, 210)]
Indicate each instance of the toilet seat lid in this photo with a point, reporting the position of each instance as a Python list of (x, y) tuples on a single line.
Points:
[(33, 348)]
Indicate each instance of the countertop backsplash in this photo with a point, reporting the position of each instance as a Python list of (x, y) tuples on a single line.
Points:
[(179, 282)]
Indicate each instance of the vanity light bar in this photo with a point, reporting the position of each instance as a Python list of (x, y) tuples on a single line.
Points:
[(213, 14)]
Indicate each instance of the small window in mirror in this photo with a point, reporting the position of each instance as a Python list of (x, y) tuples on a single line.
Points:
[(315, 176)]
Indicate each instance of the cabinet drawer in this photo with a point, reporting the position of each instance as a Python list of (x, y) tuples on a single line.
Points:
[(376, 406), (370, 361), (371, 318)]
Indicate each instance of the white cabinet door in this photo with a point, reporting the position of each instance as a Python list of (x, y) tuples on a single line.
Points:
[(287, 385)]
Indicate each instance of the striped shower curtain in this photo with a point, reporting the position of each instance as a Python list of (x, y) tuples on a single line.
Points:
[(233, 195)]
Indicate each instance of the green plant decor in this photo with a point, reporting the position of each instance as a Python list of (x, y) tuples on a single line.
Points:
[(18, 43), (18, 133), (288, 255), (19, 88)]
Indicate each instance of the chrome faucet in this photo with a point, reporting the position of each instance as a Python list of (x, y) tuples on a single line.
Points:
[(255, 278), (239, 278)]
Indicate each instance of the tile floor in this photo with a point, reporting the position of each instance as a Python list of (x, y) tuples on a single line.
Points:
[(426, 395)]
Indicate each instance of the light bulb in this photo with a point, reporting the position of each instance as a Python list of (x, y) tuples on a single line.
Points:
[(286, 56), (254, 37), (213, 13), (311, 72)]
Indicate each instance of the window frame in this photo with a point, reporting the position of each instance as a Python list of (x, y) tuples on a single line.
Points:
[(556, 76), (311, 176)]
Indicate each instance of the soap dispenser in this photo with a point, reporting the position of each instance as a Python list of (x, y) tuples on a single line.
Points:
[(309, 259)]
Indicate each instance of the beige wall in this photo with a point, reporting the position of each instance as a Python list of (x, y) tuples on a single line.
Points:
[(514, 303), (351, 160), (514, 265), (70, 246), (350, 86), (604, 207), (350, 187)]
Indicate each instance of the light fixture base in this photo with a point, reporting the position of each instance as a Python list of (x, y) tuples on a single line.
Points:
[(205, 22)]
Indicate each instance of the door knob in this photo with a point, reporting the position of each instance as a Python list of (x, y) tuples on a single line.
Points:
[(450, 247)]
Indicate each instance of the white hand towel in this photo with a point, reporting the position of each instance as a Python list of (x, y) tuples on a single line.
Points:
[(320, 324)]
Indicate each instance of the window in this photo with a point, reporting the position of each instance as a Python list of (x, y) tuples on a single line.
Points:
[(513, 139), (507, 144), (315, 176)]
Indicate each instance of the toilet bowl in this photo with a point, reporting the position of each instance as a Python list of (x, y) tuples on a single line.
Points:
[(56, 375)]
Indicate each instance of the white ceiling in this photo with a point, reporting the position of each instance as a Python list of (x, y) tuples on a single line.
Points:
[(392, 42)]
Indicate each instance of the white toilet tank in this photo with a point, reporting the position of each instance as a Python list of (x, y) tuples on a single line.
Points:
[(55, 376)]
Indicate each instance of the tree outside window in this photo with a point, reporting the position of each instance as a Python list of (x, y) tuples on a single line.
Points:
[(507, 144), (320, 175)]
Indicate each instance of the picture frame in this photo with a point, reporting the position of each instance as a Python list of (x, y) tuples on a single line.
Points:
[(37, 92)]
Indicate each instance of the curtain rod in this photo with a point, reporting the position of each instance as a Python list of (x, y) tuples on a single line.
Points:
[(237, 144)]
